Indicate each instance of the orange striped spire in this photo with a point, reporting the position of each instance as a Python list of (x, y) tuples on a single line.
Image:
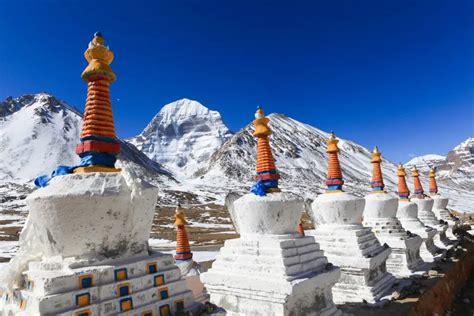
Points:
[(183, 250), (377, 178), (99, 146), (403, 191), (416, 181), (301, 228), (334, 180), (267, 174), (433, 184)]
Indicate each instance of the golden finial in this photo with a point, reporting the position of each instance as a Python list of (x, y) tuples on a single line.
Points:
[(261, 124), (376, 155), (401, 170), (180, 218), (432, 172), (99, 57), (376, 150), (332, 143)]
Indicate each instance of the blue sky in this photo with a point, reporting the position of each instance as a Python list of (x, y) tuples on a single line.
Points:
[(398, 74)]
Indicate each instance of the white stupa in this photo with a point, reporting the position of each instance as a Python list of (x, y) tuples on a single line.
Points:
[(270, 269), (441, 212), (426, 215), (380, 214), (84, 248), (346, 243), (407, 213)]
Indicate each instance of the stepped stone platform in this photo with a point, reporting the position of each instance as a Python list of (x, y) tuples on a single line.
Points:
[(352, 247), (270, 269), (380, 214), (427, 217), (407, 213)]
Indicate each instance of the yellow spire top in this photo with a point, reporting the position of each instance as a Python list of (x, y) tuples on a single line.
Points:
[(99, 57), (415, 172), (332, 144), (261, 124), (180, 218), (432, 172), (376, 155), (401, 170)]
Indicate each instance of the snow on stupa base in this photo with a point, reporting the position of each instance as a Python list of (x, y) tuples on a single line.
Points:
[(270, 269), (380, 214), (441, 212), (427, 217), (407, 214), (352, 247), (84, 251)]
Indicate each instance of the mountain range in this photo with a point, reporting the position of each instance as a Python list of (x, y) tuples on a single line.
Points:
[(189, 152)]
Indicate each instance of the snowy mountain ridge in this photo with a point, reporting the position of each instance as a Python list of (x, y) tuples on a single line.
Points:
[(38, 133)]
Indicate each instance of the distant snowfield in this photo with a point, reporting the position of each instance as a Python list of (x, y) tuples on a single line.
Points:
[(9, 248)]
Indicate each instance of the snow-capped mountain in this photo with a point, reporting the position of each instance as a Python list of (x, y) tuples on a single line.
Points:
[(300, 153), (182, 136), (39, 132), (456, 169)]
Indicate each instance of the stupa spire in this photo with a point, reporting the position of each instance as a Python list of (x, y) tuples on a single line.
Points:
[(99, 146), (301, 228), (377, 178), (183, 250), (334, 180), (416, 181), (433, 184), (267, 174), (403, 191)]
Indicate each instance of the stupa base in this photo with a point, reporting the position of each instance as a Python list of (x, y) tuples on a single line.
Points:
[(272, 275), (405, 260), (362, 260), (148, 284)]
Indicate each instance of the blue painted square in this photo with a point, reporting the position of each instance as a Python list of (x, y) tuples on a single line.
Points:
[(152, 269), (124, 290), (84, 314), (179, 306), (86, 282), (164, 294)]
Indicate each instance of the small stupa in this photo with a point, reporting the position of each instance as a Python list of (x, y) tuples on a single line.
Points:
[(190, 270), (425, 213), (439, 209), (407, 213), (346, 243), (270, 269), (380, 214), (84, 248)]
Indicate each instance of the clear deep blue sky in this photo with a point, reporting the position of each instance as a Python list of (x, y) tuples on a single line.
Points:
[(398, 74)]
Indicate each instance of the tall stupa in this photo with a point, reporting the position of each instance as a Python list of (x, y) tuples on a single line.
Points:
[(440, 210), (84, 248), (425, 214), (380, 214), (407, 213), (271, 269)]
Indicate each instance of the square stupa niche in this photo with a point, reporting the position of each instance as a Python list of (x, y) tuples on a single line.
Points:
[(126, 304), (83, 299), (147, 313), (86, 281), (123, 289), (121, 274), (164, 293), (179, 306), (85, 312), (152, 268), (165, 310), (159, 280)]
